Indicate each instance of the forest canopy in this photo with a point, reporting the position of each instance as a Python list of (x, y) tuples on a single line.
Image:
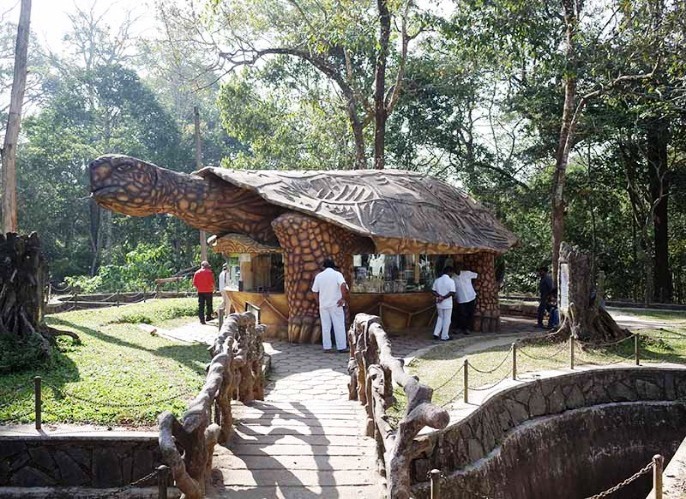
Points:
[(549, 111)]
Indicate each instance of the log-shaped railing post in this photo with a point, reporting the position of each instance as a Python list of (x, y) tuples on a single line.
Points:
[(372, 367), (187, 445)]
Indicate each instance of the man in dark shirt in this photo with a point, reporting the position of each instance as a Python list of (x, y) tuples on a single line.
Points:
[(545, 286)]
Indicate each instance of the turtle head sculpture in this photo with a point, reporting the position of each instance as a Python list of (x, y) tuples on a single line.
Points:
[(134, 187), (126, 185)]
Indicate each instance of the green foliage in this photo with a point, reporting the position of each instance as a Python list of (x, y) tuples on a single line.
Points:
[(117, 367), (281, 128), (136, 271)]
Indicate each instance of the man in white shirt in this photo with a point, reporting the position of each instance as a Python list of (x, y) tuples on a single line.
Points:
[(465, 296), (223, 283), (332, 296), (444, 290)]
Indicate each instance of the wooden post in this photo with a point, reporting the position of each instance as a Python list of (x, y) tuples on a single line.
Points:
[(162, 480), (636, 352), (466, 381), (514, 360), (658, 464), (37, 401), (571, 352), (435, 476)]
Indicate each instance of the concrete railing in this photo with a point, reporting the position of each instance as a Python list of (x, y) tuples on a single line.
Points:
[(373, 370), (235, 372), (496, 448)]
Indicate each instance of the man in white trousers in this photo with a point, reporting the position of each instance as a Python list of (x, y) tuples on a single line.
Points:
[(332, 296), (223, 283), (444, 290)]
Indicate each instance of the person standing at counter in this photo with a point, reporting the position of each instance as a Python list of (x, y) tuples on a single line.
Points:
[(465, 296), (332, 295), (223, 283), (444, 290)]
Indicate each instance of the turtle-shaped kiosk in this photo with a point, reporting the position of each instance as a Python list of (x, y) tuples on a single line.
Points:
[(311, 215)]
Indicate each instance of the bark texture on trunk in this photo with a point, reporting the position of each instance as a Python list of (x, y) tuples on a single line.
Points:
[(9, 149), (657, 141), (380, 84), (567, 129), (584, 319), (22, 279)]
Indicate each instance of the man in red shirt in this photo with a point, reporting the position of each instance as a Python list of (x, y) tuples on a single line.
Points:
[(203, 281)]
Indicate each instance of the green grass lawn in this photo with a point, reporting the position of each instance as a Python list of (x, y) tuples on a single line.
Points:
[(118, 375), (442, 367)]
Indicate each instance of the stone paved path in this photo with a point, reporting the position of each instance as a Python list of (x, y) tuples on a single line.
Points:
[(305, 439)]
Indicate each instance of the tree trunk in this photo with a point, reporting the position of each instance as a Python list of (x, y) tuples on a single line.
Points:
[(358, 137), (657, 138), (584, 319), (22, 281), (9, 150), (198, 166), (95, 234), (380, 85), (567, 130)]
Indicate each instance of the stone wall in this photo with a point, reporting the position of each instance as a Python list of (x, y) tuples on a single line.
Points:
[(114, 459), (487, 312), (567, 436)]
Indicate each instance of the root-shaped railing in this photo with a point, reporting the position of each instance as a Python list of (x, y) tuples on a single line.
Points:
[(235, 372), (373, 370)]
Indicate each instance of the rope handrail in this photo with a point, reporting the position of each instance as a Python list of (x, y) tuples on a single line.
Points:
[(609, 344), (507, 356), (455, 375), (16, 389), (488, 387), (563, 347), (581, 354), (65, 394), (157, 473)]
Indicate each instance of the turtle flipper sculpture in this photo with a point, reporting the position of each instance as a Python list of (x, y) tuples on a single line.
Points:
[(306, 242), (312, 215)]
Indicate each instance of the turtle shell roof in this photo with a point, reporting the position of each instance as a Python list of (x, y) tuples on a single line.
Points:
[(418, 210)]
